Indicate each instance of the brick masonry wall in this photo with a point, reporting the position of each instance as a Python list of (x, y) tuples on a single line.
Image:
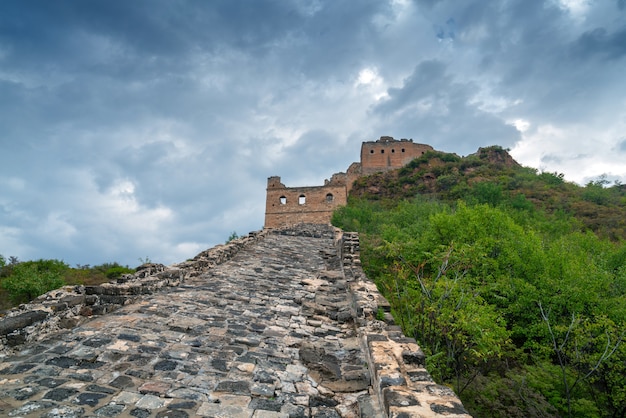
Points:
[(294, 205), (387, 154), (286, 206)]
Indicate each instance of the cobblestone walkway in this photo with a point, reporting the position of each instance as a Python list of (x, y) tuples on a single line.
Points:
[(267, 334)]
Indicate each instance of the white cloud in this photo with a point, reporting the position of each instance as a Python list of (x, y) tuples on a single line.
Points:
[(577, 8), (59, 225), (521, 125), (369, 80), (13, 243), (581, 153), (14, 183)]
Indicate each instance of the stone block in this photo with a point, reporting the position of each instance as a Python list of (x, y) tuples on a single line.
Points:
[(10, 324), (414, 357)]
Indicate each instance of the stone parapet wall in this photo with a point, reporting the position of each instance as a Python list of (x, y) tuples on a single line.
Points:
[(65, 308), (401, 383)]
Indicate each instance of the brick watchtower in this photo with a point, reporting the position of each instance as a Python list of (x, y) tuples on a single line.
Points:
[(295, 205), (286, 206), (389, 154)]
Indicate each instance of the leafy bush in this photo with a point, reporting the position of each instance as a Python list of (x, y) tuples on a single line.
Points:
[(446, 182), (552, 179), (34, 278), (23, 281), (487, 192), (503, 293), (595, 192), (117, 271), (233, 235)]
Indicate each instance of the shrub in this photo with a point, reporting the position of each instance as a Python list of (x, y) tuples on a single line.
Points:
[(28, 281), (233, 235), (487, 192), (552, 179), (117, 271)]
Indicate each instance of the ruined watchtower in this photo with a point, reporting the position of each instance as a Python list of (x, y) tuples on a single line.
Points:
[(295, 205), (389, 154), (286, 206)]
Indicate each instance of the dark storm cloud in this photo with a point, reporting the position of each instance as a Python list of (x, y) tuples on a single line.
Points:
[(149, 128), (52, 32), (143, 38), (429, 80), (600, 43), (427, 101)]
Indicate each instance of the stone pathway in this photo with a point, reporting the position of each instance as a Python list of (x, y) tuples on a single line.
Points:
[(285, 328), (233, 342)]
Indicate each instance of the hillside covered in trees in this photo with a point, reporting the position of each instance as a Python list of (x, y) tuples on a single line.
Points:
[(513, 281)]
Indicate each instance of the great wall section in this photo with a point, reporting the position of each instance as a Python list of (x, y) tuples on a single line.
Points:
[(281, 323), (286, 206)]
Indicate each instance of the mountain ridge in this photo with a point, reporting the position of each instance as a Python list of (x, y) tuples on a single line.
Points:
[(490, 175)]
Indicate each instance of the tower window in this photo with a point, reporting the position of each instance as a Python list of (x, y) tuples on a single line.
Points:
[(329, 197), (393, 150), (402, 149), (301, 199), (382, 151), (371, 151), (283, 200)]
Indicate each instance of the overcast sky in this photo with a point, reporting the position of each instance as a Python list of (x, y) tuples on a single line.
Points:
[(148, 128)]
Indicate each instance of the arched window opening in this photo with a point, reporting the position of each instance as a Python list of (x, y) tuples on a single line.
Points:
[(301, 199), (382, 151), (402, 149), (283, 200), (371, 151), (329, 197), (393, 150)]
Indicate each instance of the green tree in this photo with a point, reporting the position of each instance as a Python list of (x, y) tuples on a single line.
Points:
[(34, 278), (462, 333), (488, 192), (117, 271), (233, 235)]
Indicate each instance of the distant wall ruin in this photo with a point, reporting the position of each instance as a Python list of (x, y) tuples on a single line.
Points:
[(287, 206), (389, 154), (296, 205)]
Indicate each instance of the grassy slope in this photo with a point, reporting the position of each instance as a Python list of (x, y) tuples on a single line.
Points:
[(491, 176)]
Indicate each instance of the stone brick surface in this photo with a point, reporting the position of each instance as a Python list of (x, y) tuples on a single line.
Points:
[(284, 327)]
